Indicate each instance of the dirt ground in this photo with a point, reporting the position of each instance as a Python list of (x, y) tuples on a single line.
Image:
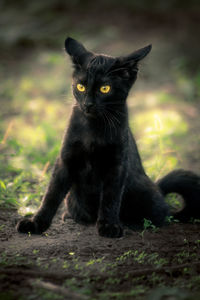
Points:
[(71, 261)]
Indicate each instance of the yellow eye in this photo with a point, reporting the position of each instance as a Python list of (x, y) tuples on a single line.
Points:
[(105, 89), (80, 87)]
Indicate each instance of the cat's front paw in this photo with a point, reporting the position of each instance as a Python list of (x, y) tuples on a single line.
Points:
[(109, 230), (28, 226)]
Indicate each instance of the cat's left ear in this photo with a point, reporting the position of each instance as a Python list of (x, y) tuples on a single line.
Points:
[(127, 66), (138, 54), (77, 52)]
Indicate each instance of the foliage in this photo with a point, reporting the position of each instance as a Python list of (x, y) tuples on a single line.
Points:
[(31, 127)]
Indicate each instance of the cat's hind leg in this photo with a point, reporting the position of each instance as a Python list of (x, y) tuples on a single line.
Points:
[(144, 201)]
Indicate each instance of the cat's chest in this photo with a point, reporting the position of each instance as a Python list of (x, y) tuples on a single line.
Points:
[(100, 153), (93, 157)]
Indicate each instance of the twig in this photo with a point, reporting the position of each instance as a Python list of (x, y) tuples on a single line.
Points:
[(58, 289), (44, 170), (166, 269), (8, 130)]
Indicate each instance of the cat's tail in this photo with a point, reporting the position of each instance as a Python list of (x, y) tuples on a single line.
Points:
[(187, 184)]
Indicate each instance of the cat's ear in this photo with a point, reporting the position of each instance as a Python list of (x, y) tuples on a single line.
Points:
[(127, 66), (138, 54), (77, 52)]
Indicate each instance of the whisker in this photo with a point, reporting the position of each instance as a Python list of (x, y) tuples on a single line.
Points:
[(108, 123), (112, 121), (113, 116), (104, 121)]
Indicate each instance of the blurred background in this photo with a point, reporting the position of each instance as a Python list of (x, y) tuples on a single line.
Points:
[(35, 83)]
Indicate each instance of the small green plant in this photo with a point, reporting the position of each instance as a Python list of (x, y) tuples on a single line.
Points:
[(140, 258), (156, 260), (136, 291), (126, 255), (2, 185), (3, 258), (197, 242), (148, 225), (112, 281), (94, 261), (155, 279), (182, 256), (193, 282), (170, 219), (16, 259), (38, 261), (72, 283), (195, 221), (2, 227), (175, 201), (66, 265)]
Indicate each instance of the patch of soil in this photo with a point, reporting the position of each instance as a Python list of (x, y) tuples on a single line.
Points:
[(70, 261)]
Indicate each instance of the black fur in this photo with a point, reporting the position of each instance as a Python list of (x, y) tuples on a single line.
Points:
[(99, 167)]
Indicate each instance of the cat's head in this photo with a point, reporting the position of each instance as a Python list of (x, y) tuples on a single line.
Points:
[(101, 82)]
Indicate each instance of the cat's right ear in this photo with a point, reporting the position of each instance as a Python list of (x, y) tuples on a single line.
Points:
[(77, 52)]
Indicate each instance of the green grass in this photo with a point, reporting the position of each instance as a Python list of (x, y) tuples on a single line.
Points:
[(35, 112)]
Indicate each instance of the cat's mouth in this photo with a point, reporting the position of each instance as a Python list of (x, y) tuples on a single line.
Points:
[(89, 111), (89, 114)]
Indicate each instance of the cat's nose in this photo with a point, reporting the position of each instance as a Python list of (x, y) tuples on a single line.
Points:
[(88, 106)]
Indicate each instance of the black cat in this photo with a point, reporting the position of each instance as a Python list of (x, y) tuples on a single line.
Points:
[(99, 167)]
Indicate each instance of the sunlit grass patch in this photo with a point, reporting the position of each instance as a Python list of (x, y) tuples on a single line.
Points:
[(187, 84), (156, 130), (175, 201), (164, 97), (35, 108)]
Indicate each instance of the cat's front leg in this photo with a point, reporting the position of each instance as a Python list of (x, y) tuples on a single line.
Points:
[(108, 223), (56, 191)]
